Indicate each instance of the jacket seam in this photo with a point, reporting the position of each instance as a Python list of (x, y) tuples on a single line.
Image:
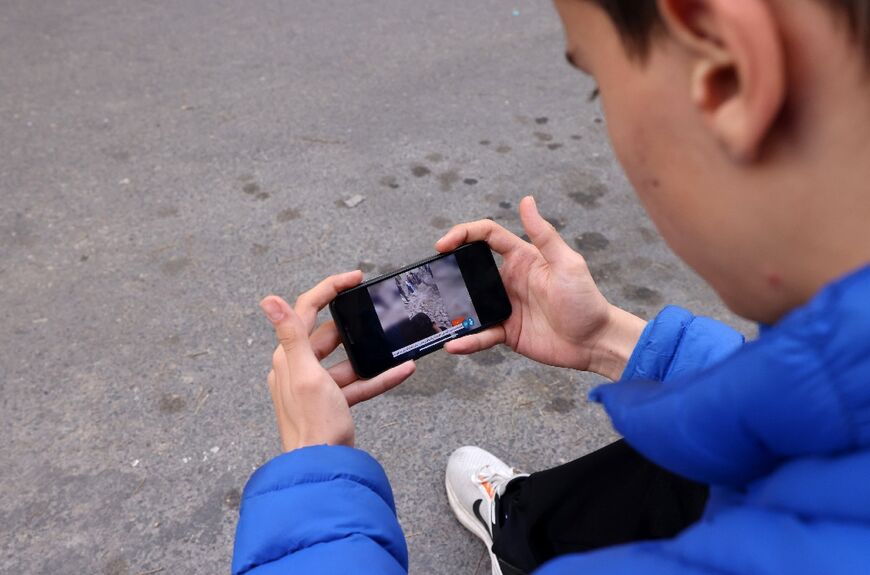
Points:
[(640, 371), (683, 560), (806, 518), (838, 397), (313, 481), (677, 348)]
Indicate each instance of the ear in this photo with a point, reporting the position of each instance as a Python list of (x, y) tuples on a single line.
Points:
[(738, 67)]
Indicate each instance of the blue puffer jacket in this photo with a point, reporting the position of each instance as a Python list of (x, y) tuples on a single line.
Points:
[(780, 428)]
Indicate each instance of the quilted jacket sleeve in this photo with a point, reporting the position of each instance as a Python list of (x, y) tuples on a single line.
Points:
[(676, 343), (777, 398), (325, 509)]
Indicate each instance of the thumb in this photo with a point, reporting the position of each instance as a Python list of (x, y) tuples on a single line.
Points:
[(543, 235), (290, 330)]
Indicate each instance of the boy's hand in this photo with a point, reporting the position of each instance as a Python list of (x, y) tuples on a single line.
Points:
[(559, 316), (312, 404)]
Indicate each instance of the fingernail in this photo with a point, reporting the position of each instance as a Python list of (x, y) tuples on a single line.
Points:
[(272, 309)]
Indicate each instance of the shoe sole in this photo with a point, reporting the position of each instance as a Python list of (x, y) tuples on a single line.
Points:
[(471, 523)]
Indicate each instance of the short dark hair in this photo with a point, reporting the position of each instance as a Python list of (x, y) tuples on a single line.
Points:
[(638, 21)]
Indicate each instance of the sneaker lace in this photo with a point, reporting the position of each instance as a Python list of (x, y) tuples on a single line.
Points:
[(487, 474)]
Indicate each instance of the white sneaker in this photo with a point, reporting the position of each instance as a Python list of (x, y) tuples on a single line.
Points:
[(475, 480)]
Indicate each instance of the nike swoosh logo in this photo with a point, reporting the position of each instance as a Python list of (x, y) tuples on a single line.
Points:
[(476, 509)]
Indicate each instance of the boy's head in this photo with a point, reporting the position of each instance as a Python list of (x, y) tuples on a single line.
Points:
[(744, 126)]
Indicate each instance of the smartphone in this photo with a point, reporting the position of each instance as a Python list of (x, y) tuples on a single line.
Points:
[(412, 312)]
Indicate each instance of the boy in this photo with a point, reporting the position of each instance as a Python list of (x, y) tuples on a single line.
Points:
[(740, 124)]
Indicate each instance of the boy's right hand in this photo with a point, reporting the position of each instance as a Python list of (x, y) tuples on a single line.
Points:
[(559, 316)]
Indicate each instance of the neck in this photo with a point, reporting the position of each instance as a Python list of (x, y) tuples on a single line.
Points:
[(814, 212), (819, 210)]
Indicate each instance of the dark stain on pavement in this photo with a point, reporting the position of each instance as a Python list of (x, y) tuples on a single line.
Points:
[(605, 271), (233, 498), (484, 142), (252, 188), (390, 182), (543, 136), (116, 566), (175, 266), (440, 223), (447, 179), (505, 205), (287, 215), (170, 403), (542, 120), (589, 197), (420, 171), (488, 357), (205, 522), (561, 405), (469, 181), (118, 155), (642, 295), (649, 235), (557, 223), (554, 146), (591, 242)]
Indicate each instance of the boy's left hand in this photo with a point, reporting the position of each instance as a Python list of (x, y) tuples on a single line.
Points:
[(312, 403)]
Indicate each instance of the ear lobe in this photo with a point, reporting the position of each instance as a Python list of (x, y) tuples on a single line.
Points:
[(737, 63)]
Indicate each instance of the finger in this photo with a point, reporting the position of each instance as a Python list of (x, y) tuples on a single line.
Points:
[(342, 373), (476, 341), (278, 377), (325, 339), (318, 297), (291, 333), (273, 386), (542, 233), (499, 239), (365, 389)]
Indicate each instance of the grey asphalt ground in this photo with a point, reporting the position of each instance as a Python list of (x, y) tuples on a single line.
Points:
[(163, 165)]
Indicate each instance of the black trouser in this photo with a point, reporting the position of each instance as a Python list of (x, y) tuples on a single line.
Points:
[(608, 497)]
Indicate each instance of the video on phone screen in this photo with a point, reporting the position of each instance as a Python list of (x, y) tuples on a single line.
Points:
[(423, 307)]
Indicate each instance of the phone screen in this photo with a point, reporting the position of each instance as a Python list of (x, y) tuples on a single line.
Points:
[(424, 306), (414, 311)]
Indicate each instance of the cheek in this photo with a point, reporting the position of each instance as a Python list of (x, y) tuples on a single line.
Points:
[(646, 144), (630, 127), (647, 120)]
